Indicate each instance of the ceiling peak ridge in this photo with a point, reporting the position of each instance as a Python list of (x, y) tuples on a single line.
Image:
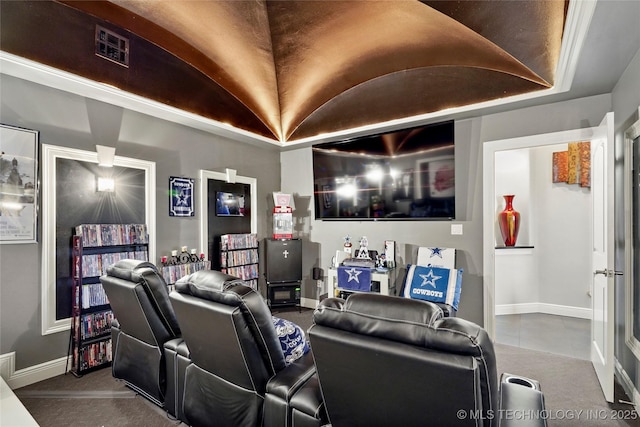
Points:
[(279, 134)]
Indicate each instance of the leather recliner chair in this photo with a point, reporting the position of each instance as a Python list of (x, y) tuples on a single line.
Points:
[(144, 324), (384, 360), (238, 375)]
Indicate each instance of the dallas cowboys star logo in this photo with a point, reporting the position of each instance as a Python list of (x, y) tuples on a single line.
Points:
[(436, 251), (429, 279), (353, 275), (182, 197)]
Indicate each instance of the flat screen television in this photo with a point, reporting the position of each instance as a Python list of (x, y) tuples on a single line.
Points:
[(406, 175), (229, 204)]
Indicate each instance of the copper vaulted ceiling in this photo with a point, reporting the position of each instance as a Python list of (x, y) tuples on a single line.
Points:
[(289, 70)]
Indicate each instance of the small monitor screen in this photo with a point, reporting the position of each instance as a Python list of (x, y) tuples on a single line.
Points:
[(229, 204)]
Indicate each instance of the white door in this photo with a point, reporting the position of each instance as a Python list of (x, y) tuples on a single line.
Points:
[(602, 325)]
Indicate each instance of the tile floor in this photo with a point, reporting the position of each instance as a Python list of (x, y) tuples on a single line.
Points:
[(567, 336)]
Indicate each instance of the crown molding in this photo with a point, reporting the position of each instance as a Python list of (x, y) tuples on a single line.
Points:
[(579, 15)]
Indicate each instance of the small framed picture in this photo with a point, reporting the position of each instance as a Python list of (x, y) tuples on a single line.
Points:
[(18, 184), (181, 196)]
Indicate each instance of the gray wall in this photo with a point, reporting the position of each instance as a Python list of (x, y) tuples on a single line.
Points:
[(68, 120), (325, 237)]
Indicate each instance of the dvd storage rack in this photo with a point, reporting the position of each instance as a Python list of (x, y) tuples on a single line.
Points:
[(239, 257), (171, 273), (95, 247)]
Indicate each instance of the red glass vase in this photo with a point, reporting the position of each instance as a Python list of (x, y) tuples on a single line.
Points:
[(509, 221)]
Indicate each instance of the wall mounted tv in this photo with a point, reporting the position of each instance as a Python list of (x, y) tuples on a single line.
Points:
[(406, 175), (229, 204)]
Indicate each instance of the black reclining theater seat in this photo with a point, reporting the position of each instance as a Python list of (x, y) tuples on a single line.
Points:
[(238, 375), (384, 360), (144, 324)]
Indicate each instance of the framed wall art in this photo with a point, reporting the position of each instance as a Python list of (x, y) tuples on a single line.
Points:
[(18, 185), (181, 196)]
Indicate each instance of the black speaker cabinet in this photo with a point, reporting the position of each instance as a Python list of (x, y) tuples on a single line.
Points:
[(283, 260)]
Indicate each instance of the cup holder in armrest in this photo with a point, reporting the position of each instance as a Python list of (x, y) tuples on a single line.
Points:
[(522, 381)]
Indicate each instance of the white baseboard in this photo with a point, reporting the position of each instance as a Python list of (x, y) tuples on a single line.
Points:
[(539, 307), (32, 374), (308, 302), (627, 385)]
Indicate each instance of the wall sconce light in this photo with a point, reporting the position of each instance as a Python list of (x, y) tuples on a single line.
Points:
[(105, 155), (105, 185)]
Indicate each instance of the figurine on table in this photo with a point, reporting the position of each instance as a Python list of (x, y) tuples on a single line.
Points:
[(363, 250), (347, 245)]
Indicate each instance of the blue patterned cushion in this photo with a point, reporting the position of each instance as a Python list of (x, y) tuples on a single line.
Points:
[(292, 339)]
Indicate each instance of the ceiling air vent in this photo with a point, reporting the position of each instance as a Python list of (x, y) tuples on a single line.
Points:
[(112, 46)]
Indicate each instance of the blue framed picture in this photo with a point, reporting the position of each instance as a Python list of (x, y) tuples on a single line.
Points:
[(181, 196)]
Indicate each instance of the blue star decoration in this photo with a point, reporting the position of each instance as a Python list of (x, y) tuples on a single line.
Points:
[(436, 251), (353, 275), (429, 279), (182, 198)]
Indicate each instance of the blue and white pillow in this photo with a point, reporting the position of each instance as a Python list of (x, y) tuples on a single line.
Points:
[(434, 284), (293, 342)]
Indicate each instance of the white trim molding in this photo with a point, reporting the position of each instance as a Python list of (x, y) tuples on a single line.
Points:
[(32, 374), (540, 307), (50, 153), (204, 176), (627, 385), (630, 339)]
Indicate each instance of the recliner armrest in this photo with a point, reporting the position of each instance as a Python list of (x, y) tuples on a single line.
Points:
[(177, 358), (281, 388), (307, 405), (286, 382), (521, 402)]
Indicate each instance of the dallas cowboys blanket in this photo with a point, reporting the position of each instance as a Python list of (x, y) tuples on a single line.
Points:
[(434, 284), (354, 278)]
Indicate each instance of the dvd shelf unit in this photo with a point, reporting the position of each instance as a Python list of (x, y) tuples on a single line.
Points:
[(171, 273), (239, 257), (95, 247)]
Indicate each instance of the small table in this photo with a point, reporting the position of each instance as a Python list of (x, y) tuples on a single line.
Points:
[(382, 277)]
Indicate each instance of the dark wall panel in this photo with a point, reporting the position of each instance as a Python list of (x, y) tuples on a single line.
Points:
[(78, 202), (219, 225)]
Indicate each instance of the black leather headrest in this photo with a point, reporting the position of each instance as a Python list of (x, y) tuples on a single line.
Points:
[(220, 288), (130, 269), (393, 308), (388, 317), (212, 285), (414, 322), (147, 275)]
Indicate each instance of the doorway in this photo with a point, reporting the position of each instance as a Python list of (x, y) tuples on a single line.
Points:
[(513, 276), (542, 291)]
